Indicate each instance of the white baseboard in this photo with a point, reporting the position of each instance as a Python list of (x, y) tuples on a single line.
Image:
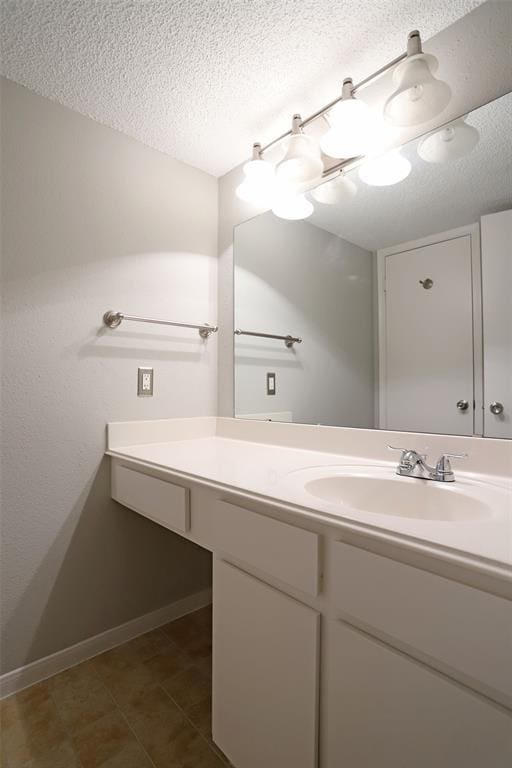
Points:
[(23, 677)]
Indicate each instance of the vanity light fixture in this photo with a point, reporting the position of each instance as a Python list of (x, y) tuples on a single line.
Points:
[(449, 143), (351, 123), (259, 177), (353, 133), (302, 163), (337, 190), (292, 206), (419, 96), (385, 170)]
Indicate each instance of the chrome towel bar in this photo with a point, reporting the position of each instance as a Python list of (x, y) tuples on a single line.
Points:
[(289, 341), (113, 320)]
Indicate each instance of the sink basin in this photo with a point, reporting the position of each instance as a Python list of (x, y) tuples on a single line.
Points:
[(398, 496)]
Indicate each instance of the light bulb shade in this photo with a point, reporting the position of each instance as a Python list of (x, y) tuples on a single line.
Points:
[(302, 163), (258, 185), (338, 190), (292, 207), (385, 170), (259, 195), (449, 143), (419, 96), (351, 131), (258, 169)]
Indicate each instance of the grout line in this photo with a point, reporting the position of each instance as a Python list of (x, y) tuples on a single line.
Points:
[(191, 722), (65, 728), (141, 745)]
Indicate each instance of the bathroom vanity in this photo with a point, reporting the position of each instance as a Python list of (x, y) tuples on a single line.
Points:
[(360, 618)]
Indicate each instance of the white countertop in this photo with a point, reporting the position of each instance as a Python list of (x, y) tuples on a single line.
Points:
[(203, 450)]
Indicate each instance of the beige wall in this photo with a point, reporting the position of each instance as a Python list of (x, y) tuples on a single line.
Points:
[(92, 220)]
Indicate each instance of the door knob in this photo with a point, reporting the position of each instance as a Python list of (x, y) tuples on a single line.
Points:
[(496, 408), (462, 405)]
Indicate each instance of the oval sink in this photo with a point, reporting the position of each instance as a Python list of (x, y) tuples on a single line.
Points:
[(403, 497)]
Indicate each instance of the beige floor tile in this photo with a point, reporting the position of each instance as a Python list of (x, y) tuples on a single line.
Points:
[(23, 703), (183, 747), (61, 757), (200, 714), (146, 646), (112, 665), (128, 685), (152, 713), (192, 633), (131, 654), (188, 687), (204, 665), (102, 740), (79, 679), (131, 756), (31, 727), (168, 663), (80, 696)]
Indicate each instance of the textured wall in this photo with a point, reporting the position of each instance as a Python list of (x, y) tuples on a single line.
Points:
[(92, 220), (292, 277)]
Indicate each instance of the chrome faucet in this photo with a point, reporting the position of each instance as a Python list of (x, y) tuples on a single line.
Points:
[(414, 464)]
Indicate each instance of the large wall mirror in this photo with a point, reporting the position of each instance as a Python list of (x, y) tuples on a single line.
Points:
[(397, 299)]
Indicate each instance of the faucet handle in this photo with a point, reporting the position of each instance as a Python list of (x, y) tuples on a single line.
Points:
[(454, 455), (404, 451), (443, 466), (409, 457)]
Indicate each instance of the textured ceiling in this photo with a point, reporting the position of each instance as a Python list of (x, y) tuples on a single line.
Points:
[(434, 197), (203, 79)]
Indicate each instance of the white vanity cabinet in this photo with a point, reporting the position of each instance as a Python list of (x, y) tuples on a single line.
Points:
[(327, 654), (386, 710), (265, 673)]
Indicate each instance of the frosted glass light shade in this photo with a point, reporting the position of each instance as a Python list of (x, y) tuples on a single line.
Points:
[(351, 131), (292, 207), (302, 163), (385, 170), (419, 96), (258, 185), (449, 143), (338, 190)]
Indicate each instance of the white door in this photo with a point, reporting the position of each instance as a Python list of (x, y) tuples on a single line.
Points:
[(384, 710), (497, 320), (428, 339), (265, 673)]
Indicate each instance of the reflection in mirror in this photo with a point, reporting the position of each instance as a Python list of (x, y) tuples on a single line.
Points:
[(397, 297)]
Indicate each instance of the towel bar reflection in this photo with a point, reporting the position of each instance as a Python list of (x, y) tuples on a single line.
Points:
[(113, 320), (289, 341)]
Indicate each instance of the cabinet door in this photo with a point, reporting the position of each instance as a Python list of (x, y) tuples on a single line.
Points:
[(384, 710), (265, 673), (497, 320)]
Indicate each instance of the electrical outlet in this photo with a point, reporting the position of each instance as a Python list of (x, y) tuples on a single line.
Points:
[(145, 382), (271, 383)]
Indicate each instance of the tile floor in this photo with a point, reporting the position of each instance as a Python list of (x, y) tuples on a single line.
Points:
[(144, 704)]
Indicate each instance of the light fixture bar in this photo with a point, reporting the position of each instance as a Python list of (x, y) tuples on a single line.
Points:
[(358, 86)]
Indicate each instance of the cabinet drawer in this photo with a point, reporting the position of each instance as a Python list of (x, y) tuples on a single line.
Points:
[(385, 710), (163, 502), (466, 629), (288, 553)]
